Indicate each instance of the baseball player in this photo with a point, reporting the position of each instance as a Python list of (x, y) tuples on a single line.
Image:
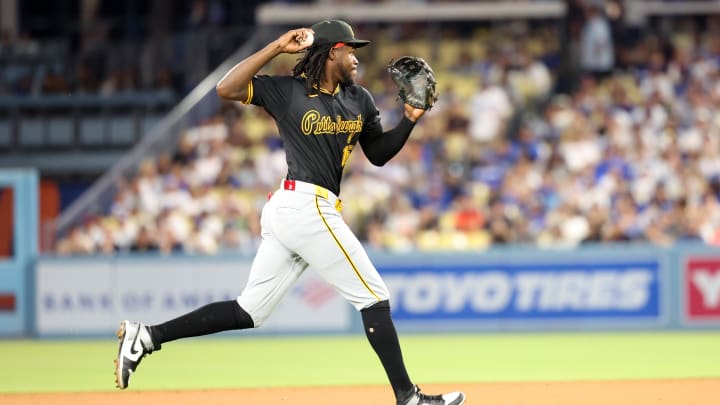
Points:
[(321, 115)]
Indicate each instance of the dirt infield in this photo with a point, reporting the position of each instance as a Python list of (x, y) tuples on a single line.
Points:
[(665, 392)]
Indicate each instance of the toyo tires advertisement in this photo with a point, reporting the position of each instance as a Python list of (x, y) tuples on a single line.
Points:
[(546, 291)]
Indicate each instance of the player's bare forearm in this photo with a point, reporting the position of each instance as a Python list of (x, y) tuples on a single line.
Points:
[(412, 113), (234, 85)]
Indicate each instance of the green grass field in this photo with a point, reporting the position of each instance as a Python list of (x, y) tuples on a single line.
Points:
[(248, 361)]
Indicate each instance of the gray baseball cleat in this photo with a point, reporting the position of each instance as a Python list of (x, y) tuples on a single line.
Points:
[(418, 398), (135, 343)]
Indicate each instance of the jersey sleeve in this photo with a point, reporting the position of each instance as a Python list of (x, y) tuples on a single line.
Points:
[(270, 92), (380, 146), (372, 126)]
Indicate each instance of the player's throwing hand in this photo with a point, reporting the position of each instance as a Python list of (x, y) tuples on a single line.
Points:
[(295, 41)]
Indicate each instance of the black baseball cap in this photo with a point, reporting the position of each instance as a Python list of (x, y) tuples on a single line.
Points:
[(334, 31)]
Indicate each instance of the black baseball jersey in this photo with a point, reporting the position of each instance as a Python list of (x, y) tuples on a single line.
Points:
[(319, 131)]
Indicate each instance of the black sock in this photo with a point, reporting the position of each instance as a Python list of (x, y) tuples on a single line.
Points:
[(380, 331), (211, 318)]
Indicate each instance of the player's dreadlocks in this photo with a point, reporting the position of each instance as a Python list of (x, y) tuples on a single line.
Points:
[(312, 66)]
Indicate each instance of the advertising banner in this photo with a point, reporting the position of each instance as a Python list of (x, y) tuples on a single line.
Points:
[(594, 288), (701, 288), (93, 296), (546, 291), (18, 205)]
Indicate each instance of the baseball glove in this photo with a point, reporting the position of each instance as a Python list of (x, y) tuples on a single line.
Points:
[(415, 80)]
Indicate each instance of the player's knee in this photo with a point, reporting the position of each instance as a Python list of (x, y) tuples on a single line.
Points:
[(381, 293), (258, 318), (379, 296), (254, 317), (384, 304), (258, 321), (243, 319), (384, 295)]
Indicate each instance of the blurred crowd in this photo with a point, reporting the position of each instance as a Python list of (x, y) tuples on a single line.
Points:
[(631, 153), (166, 47)]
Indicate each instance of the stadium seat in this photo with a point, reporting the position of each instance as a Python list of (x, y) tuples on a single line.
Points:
[(92, 131), (149, 121), (60, 131), (122, 130), (32, 133), (5, 135)]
